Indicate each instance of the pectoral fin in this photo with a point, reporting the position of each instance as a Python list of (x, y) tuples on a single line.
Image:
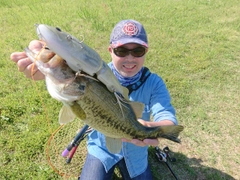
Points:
[(114, 145), (65, 115), (78, 111)]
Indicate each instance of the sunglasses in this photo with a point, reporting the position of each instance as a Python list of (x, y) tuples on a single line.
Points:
[(123, 52)]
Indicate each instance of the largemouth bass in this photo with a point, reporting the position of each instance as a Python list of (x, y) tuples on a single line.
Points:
[(89, 99)]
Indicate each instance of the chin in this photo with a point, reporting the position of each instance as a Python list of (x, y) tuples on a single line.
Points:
[(128, 74)]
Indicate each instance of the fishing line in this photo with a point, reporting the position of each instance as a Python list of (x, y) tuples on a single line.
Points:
[(48, 149), (60, 138), (51, 144), (35, 85)]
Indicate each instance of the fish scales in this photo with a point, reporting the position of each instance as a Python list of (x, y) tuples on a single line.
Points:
[(103, 112)]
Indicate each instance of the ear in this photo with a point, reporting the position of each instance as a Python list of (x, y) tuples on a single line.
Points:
[(110, 49), (146, 50)]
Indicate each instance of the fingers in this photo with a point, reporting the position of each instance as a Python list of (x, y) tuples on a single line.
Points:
[(145, 142), (151, 142), (30, 69), (25, 65), (36, 45), (32, 72), (16, 56), (138, 142), (38, 75)]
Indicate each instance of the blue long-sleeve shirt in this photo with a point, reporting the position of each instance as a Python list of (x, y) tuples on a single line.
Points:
[(154, 95)]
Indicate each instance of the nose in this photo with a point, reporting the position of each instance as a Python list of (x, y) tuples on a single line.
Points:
[(130, 57)]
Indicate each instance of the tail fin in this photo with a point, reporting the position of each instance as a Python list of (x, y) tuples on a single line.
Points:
[(170, 132)]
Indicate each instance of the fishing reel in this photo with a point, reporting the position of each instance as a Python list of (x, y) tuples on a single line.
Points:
[(164, 156)]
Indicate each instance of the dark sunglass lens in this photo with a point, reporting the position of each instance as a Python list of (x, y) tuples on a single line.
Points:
[(138, 52), (121, 52)]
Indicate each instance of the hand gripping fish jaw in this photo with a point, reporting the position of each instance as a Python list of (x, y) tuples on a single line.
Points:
[(79, 56)]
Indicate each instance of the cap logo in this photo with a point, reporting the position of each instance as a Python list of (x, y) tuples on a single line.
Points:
[(130, 29)]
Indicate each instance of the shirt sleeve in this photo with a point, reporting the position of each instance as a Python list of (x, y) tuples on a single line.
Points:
[(160, 101)]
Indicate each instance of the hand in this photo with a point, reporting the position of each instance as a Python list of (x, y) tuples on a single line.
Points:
[(145, 142), (25, 65), (149, 142)]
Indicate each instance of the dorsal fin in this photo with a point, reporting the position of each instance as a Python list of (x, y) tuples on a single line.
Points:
[(125, 93), (137, 108)]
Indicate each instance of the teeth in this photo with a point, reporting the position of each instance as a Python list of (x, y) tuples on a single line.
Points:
[(128, 66)]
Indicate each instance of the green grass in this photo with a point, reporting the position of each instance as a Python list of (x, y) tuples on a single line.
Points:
[(194, 47)]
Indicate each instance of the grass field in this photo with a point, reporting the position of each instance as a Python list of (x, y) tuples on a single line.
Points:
[(194, 47)]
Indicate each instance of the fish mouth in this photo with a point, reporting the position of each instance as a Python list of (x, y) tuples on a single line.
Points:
[(42, 28), (48, 31), (38, 32), (45, 58)]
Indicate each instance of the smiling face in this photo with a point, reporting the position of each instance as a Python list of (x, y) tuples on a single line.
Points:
[(129, 65)]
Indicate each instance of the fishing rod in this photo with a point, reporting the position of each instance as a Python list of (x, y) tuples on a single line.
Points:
[(72, 147), (164, 156)]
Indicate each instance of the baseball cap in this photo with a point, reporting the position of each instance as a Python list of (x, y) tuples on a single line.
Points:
[(128, 31)]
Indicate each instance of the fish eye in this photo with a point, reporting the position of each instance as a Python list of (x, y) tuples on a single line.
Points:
[(57, 28)]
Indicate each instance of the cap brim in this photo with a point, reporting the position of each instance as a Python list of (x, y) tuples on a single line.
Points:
[(122, 42)]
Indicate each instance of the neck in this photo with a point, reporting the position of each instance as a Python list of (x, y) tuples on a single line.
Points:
[(125, 81)]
